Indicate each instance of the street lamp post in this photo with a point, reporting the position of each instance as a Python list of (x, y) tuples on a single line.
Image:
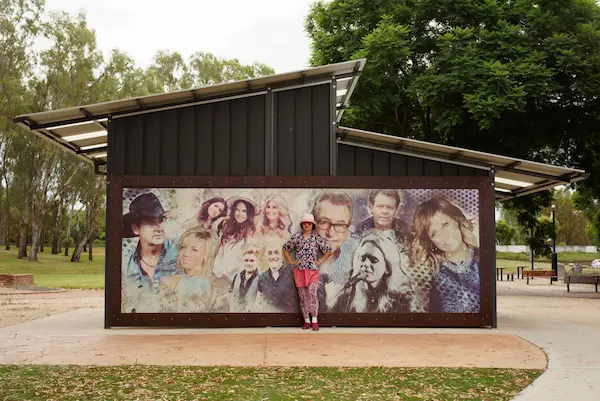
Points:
[(554, 256)]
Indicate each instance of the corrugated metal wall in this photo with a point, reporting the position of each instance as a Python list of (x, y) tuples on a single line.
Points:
[(358, 161), (302, 131), (221, 138), (229, 138)]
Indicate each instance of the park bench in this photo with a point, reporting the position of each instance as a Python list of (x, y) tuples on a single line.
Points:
[(539, 273), (572, 279)]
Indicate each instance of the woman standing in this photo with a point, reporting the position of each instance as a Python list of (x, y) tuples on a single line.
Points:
[(307, 244), (236, 230), (276, 219), (447, 251)]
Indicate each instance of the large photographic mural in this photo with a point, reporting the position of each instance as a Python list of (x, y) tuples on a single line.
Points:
[(219, 250)]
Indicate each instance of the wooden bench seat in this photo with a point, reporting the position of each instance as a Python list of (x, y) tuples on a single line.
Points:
[(539, 273), (576, 279)]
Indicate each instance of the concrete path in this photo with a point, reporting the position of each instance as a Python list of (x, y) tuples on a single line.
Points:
[(78, 338), (566, 326)]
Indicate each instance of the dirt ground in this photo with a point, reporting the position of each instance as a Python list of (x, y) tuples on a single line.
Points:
[(18, 307)]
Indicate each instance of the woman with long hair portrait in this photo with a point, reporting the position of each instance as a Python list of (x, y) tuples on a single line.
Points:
[(235, 230), (445, 258), (191, 287), (212, 212), (378, 282), (276, 222)]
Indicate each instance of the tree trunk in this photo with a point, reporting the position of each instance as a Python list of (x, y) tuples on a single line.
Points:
[(76, 257), (56, 230), (90, 242), (35, 238), (90, 217), (85, 247), (23, 227), (68, 238), (6, 227), (43, 235)]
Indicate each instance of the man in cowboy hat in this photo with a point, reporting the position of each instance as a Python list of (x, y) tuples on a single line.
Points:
[(155, 256)]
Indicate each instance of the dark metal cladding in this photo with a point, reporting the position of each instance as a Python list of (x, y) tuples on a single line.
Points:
[(222, 138), (302, 131), (353, 160)]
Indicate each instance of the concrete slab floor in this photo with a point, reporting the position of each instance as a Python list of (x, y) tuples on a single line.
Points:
[(78, 338)]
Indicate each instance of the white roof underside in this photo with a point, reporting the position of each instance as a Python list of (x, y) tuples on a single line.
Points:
[(513, 177), (83, 130)]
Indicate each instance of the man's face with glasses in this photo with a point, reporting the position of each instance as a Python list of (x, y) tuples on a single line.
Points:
[(333, 222)]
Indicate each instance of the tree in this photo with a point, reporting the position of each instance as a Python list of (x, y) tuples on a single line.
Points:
[(93, 201), (18, 26), (570, 222), (504, 233), (585, 202), (518, 77)]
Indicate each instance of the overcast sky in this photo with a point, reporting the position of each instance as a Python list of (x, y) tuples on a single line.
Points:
[(267, 31)]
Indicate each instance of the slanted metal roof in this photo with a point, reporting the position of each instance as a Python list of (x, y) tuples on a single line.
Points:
[(83, 130), (513, 177)]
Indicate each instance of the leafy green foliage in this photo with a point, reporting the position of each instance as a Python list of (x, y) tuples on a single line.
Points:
[(514, 77), (37, 181), (504, 233)]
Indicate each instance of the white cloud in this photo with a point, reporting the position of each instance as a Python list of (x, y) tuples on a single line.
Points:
[(267, 31)]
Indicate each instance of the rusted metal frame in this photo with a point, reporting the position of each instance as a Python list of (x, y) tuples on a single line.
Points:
[(114, 317)]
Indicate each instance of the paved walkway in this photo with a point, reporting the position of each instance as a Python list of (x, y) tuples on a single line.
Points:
[(78, 338), (566, 326)]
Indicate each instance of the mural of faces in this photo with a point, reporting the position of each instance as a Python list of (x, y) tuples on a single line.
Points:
[(445, 233), (241, 212), (216, 209), (250, 262), (192, 252), (273, 254), (333, 221), (150, 230), (394, 251), (383, 209), (372, 262)]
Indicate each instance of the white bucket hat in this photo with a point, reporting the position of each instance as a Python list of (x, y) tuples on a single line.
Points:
[(308, 218)]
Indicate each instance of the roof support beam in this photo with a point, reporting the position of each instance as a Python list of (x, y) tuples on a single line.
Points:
[(540, 186), (456, 155), (91, 117), (410, 152), (513, 164), (563, 179), (94, 150)]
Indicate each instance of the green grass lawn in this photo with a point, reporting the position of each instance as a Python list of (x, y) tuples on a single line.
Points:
[(57, 270), (34, 382)]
